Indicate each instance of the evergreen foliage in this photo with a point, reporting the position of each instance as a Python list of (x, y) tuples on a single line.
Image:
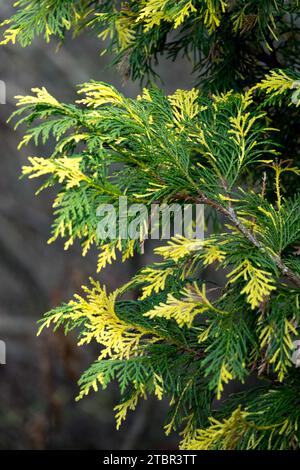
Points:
[(231, 144)]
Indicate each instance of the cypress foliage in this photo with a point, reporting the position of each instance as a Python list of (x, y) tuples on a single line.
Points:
[(232, 144)]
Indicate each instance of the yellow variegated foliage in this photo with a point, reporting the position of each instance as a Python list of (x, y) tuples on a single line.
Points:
[(124, 28), (259, 283), (184, 105), (213, 13), (91, 385), (183, 311), (279, 168), (189, 432), (42, 96), (180, 247), (212, 253), (225, 376), (65, 229), (108, 252), (155, 280), (242, 125), (158, 383), (65, 169), (169, 427), (228, 433), (193, 146), (276, 82), (144, 96), (98, 93), (223, 435), (10, 35), (281, 357), (130, 404), (154, 12), (119, 339), (128, 251), (184, 12)]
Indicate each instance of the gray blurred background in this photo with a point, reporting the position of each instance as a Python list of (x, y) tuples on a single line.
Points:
[(38, 383)]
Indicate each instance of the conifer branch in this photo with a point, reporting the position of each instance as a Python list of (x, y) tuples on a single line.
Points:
[(180, 340), (231, 215)]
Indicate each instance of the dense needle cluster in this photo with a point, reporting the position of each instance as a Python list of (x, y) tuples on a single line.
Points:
[(232, 144)]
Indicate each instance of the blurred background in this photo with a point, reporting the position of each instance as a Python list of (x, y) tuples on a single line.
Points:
[(38, 385)]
